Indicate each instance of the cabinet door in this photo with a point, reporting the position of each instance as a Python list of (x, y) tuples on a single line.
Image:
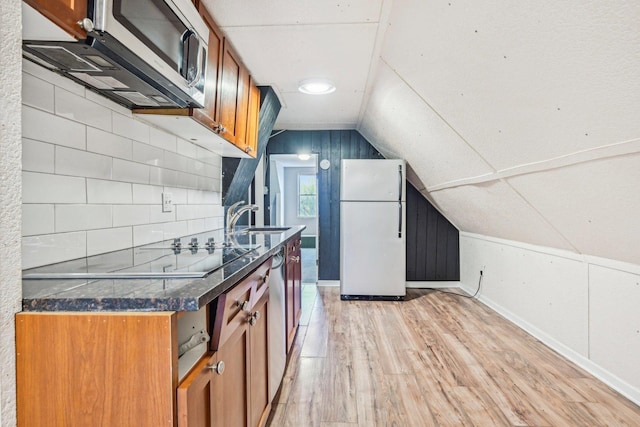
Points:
[(96, 369), (195, 396), (259, 331), (230, 389), (64, 13), (253, 113), (232, 96), (207, 115)]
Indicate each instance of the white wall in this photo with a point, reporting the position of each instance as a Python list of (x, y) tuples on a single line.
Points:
[(93, 175), (586, 308), (10, 191)]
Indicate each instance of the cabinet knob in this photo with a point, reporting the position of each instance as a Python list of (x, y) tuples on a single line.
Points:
[(86, 24), (254, 318), (218, 368), (248, 149), (263, 279), (244, 305)]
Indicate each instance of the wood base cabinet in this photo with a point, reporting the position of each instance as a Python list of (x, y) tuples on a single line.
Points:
[(90, 369), (230, 387)]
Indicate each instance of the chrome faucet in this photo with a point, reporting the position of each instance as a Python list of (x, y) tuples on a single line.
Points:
[(233, 216)]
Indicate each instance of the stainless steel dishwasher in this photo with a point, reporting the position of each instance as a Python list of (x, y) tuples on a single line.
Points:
[(277, 319)]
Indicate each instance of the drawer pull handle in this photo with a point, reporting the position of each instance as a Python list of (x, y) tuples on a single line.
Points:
[(254, 318), (218, 368)]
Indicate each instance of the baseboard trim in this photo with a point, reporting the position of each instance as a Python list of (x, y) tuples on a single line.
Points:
[(624, 388), (333, 283), (432, 284)]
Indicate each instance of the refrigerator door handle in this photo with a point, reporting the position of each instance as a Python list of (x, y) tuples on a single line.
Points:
[(399, 183), (399, 220), (399, 201)]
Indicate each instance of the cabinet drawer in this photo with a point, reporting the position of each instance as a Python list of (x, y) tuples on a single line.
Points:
[(261, 278), (233, 310)]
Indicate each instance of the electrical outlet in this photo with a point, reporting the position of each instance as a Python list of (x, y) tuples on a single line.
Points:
[(167, 202)]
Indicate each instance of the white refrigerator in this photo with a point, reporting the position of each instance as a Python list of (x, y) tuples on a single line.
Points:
[(372, 229)]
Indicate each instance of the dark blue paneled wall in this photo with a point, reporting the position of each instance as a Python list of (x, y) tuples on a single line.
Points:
[(423, 260)]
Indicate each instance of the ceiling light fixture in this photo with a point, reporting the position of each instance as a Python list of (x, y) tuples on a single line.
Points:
[(304, 156), (316, 86)]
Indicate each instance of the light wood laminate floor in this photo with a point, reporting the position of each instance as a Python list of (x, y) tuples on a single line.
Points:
[(433, 360)]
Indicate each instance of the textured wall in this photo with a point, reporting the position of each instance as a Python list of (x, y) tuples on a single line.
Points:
[(584, 307), (521, 121), (10, 188), (94, 174)]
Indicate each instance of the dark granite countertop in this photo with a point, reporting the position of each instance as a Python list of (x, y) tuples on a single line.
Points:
[(151, 294)]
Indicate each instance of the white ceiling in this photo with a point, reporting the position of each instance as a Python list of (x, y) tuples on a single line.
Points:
[(285, 41), (520, 120)]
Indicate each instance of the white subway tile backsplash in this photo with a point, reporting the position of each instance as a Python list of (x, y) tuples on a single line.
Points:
[(81, 163), (187, 148), (37, 156), (47, 188), (208, 157), (186, 212), (130, 215), (196, 226), (107, 240), (176, 162), (82, 217), (99, 141), (145, 234), (197, 167), (213, 223), (210, 210), (147, 154), (37, 219), (164, 177), (200, 197), (187, 180), (124, 170), (46, 127), (106, 102), (109, 192), (50, 248), (175, 229), (208, 184), (37, 93), (162, 139), (147, 194), (130, 128), (156, 215), (179, 195), (93, 175), (80, 109)]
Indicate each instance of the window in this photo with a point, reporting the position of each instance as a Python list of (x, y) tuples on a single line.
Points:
[(307, 196)]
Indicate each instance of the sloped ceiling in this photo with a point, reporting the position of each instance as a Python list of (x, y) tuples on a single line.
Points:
[(519, 120)]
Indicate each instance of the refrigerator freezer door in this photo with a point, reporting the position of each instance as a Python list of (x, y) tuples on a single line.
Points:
[(372, 256), (379, 180)]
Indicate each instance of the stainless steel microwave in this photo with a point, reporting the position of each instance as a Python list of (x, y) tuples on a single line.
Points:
[(140, 53)]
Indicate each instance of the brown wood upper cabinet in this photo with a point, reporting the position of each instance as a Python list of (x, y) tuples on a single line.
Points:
[(64, 13), (228, 95)]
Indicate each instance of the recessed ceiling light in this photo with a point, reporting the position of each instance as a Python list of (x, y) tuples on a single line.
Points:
[(304, 156), (316, 86)]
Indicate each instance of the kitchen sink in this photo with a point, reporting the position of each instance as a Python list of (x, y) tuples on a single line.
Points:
[(266, 230)]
